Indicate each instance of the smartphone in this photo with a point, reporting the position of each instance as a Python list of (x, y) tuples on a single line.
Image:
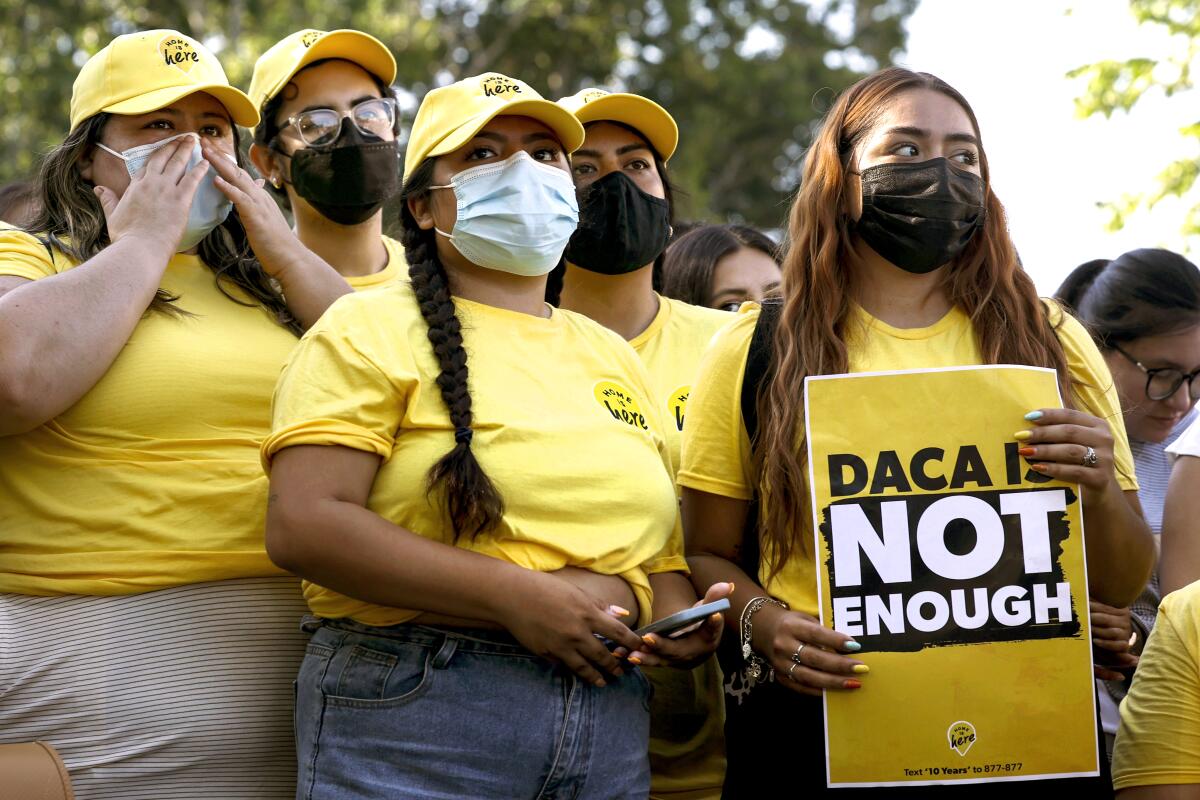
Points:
[(681, 620)]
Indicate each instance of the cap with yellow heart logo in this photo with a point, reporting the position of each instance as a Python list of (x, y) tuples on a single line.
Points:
[(450, 116), (142, 72), (278, 65), (639, 113)]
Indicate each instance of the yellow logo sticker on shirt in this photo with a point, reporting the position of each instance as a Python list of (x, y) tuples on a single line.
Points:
[(178, 53), (677, 404), (620, 402)]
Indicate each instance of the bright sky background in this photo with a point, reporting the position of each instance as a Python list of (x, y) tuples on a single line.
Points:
[(1050, 168)]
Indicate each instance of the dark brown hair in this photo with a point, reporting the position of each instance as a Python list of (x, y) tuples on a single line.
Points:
[(17, 202), (690, 260), (1148, 292), (71, 220), (985, 281)]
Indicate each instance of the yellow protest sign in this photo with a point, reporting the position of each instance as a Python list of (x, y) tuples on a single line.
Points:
[(961, 573)]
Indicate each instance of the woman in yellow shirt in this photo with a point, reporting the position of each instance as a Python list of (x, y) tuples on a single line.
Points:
[(469, 539), (1157, 754), (899, 259), (141, 334), (326, 144), (625, 212)]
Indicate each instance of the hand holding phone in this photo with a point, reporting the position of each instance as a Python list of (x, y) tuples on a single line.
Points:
[(683, 622)]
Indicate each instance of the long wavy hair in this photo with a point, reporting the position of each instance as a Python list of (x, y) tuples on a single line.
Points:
[(986, 281), (71, 220)]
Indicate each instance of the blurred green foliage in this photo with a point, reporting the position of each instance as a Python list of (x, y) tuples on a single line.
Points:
[(745, 79), (1118, 86)]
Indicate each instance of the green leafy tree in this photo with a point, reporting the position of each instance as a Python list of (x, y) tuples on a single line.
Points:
[(1118, 86), (745, 79)]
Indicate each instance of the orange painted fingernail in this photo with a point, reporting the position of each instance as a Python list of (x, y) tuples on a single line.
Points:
[(851, 684), (634, 660), (1038, 467), (731, 587), (1027, 451), (618, 611), (648, 639)]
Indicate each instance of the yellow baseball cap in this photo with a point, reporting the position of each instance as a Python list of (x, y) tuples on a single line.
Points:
[(276, 67), (145, 71), (646, 116), (450, 116)]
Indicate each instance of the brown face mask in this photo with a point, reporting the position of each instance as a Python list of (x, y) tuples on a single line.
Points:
[(349, 181)]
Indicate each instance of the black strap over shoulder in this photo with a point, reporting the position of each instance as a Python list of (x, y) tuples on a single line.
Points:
[(758, 365), (758, 368)]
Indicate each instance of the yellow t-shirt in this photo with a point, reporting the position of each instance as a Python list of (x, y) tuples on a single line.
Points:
[(152, 479), (716, 450), (687, 743), (1159, 738), (671, 348), (562, 426), (395, 268)]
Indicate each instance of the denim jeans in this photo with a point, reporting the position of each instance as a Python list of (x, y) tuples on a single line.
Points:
[(418, 712)]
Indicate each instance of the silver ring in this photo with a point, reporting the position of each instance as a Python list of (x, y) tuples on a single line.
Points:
[(796, 655), (1090, 459), (792, 667)]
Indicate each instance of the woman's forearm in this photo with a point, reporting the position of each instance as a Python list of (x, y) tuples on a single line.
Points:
[(708, 569), (309, 285), (60, 334), (353, 551), (1120, 547)]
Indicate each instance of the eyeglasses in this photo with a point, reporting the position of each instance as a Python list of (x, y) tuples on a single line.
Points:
[(1163, 382), (319, 127)]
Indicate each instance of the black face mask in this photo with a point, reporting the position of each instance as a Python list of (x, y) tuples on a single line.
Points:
[(349, 181), (920, 216), (621, 228)]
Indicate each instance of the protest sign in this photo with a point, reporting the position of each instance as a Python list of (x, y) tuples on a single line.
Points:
[(961, 573)]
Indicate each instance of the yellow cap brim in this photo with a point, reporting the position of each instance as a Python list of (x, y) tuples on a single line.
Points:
[(640, 113), (353, 46), (240, 109), (562, 122)]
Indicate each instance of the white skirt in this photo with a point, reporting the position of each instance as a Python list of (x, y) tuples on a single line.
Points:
[(179, 693)]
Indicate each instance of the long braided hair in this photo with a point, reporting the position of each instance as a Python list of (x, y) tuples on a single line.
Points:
[(472, 502)]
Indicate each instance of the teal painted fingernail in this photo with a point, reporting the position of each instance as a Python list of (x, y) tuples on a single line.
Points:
[(853, 647), (1032, 415)]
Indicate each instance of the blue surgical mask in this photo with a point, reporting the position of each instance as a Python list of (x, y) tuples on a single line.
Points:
[(515, 215), (209, 206)]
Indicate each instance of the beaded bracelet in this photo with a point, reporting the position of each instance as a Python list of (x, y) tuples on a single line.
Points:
[(754, 663)]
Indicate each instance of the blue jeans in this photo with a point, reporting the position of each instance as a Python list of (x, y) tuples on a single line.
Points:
[(417, 712)]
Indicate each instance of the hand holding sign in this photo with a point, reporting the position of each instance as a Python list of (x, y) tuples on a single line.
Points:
[(803, 652), (1060, 444)]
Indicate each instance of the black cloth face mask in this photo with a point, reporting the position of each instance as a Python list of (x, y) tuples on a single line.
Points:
[(621, 228), (349, 181), (920, 216)]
